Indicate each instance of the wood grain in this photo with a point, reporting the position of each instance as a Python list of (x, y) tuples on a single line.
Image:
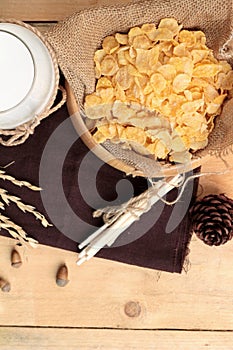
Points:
[(99, 290), (52, 10), (43, 26), (221, 182), (83, 339)]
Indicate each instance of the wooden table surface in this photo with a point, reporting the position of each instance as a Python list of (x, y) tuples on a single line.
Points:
[(188, 311)]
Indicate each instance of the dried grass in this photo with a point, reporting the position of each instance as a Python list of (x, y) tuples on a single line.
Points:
[(4, 176), (6, 223)]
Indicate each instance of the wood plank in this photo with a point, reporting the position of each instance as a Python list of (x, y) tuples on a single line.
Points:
[(43, 26), (52, 10), (218, 183), (88, 339), (99, 290)]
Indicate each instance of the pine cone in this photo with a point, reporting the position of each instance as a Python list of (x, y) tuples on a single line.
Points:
[(212, 219)]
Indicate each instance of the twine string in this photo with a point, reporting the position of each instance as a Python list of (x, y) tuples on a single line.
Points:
[(142, 203), (22, 132), (195, 176)]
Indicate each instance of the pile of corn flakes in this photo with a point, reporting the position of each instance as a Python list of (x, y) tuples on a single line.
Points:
[(158, 90)]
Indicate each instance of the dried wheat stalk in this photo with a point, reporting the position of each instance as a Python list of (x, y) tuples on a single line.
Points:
[(13, 229), (16, 182), (16, 231), (7, 198)]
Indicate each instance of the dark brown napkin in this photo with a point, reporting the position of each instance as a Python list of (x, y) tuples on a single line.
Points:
[(75, 182)]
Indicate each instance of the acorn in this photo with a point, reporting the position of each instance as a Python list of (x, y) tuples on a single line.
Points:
[(15, 259), (4, 285), (62, 276)]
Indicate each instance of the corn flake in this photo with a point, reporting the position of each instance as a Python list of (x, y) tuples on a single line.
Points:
[(200, 37), (141, 42), (106, 94), (103, 82), (158, 90), (149, 29), (181, 82), (158, 82), (99, 111), (108, 65), (182, 64), (133, 32), (162, 34), (171, 24), (168, 71), (110, 44), (187, 37), (181, 50), (122, 112), (123, 78), (146, 60), (206, 70), (121, 38)]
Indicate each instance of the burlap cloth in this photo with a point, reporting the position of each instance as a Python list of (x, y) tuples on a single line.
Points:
[(76, 38)]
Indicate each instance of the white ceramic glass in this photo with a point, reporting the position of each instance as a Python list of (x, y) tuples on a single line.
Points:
[(27, 75)]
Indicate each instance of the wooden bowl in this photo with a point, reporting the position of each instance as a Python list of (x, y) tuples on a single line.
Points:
[(107, 157)]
